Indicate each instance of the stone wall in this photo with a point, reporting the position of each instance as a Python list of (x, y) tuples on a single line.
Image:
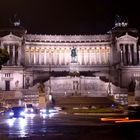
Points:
[(81, 86)]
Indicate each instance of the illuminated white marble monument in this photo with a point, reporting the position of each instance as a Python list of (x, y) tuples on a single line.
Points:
[(33, 57)]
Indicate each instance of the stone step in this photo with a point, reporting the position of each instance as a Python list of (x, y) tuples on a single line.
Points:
[(83, 101)]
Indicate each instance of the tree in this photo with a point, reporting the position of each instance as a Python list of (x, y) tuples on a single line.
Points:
[(4, 56)]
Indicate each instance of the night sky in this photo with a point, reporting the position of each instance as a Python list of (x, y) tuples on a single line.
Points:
[(69, 16)]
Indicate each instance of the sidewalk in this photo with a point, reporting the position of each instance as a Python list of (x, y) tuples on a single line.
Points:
[(101, 114), (95, 114)]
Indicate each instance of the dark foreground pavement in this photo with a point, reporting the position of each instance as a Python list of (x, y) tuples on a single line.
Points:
[(88, 133), (68, 127)]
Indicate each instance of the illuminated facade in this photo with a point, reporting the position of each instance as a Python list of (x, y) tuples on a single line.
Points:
[(101, 61)]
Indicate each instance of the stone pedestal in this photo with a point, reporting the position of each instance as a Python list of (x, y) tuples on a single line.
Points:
[(131, 98), (42, 101), (74, 67), (18, 94)]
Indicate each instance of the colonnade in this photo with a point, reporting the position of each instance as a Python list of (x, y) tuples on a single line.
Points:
[(14, 51), (62, 56), (128, 54)]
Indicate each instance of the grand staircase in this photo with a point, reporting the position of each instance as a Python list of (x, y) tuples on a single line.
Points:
[(70, 102)]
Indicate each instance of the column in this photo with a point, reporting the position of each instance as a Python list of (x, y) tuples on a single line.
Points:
[(129, 54), (121, 57), (94, 53), (42, 56), (19, 55), (121, 53), (135, 53), (139, 54), (67, 56), (103, 56), (108, 54), (45, 56), (13, 59), (93, 56), (90, 56), (64, 56), (50, 56), (29, 55), (39, 56), (34, 55), (104, 50), (105, 61), (124, 56), (100, 55), (78, 55), (85, 57), (82, 56), (55, 56), (97, 55), (8, 50), (60, 56)]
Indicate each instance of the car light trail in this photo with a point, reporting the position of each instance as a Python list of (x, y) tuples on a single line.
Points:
[(127, 121), (114, 119)]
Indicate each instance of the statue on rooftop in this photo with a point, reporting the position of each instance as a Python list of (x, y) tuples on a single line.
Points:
[(15, 20), (120, 22)]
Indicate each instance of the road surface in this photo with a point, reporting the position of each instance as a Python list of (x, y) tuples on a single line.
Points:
[(66, 127)]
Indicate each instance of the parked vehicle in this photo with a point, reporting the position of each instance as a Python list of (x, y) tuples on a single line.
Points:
[(29, 109), (49, 111), (17, 112)]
